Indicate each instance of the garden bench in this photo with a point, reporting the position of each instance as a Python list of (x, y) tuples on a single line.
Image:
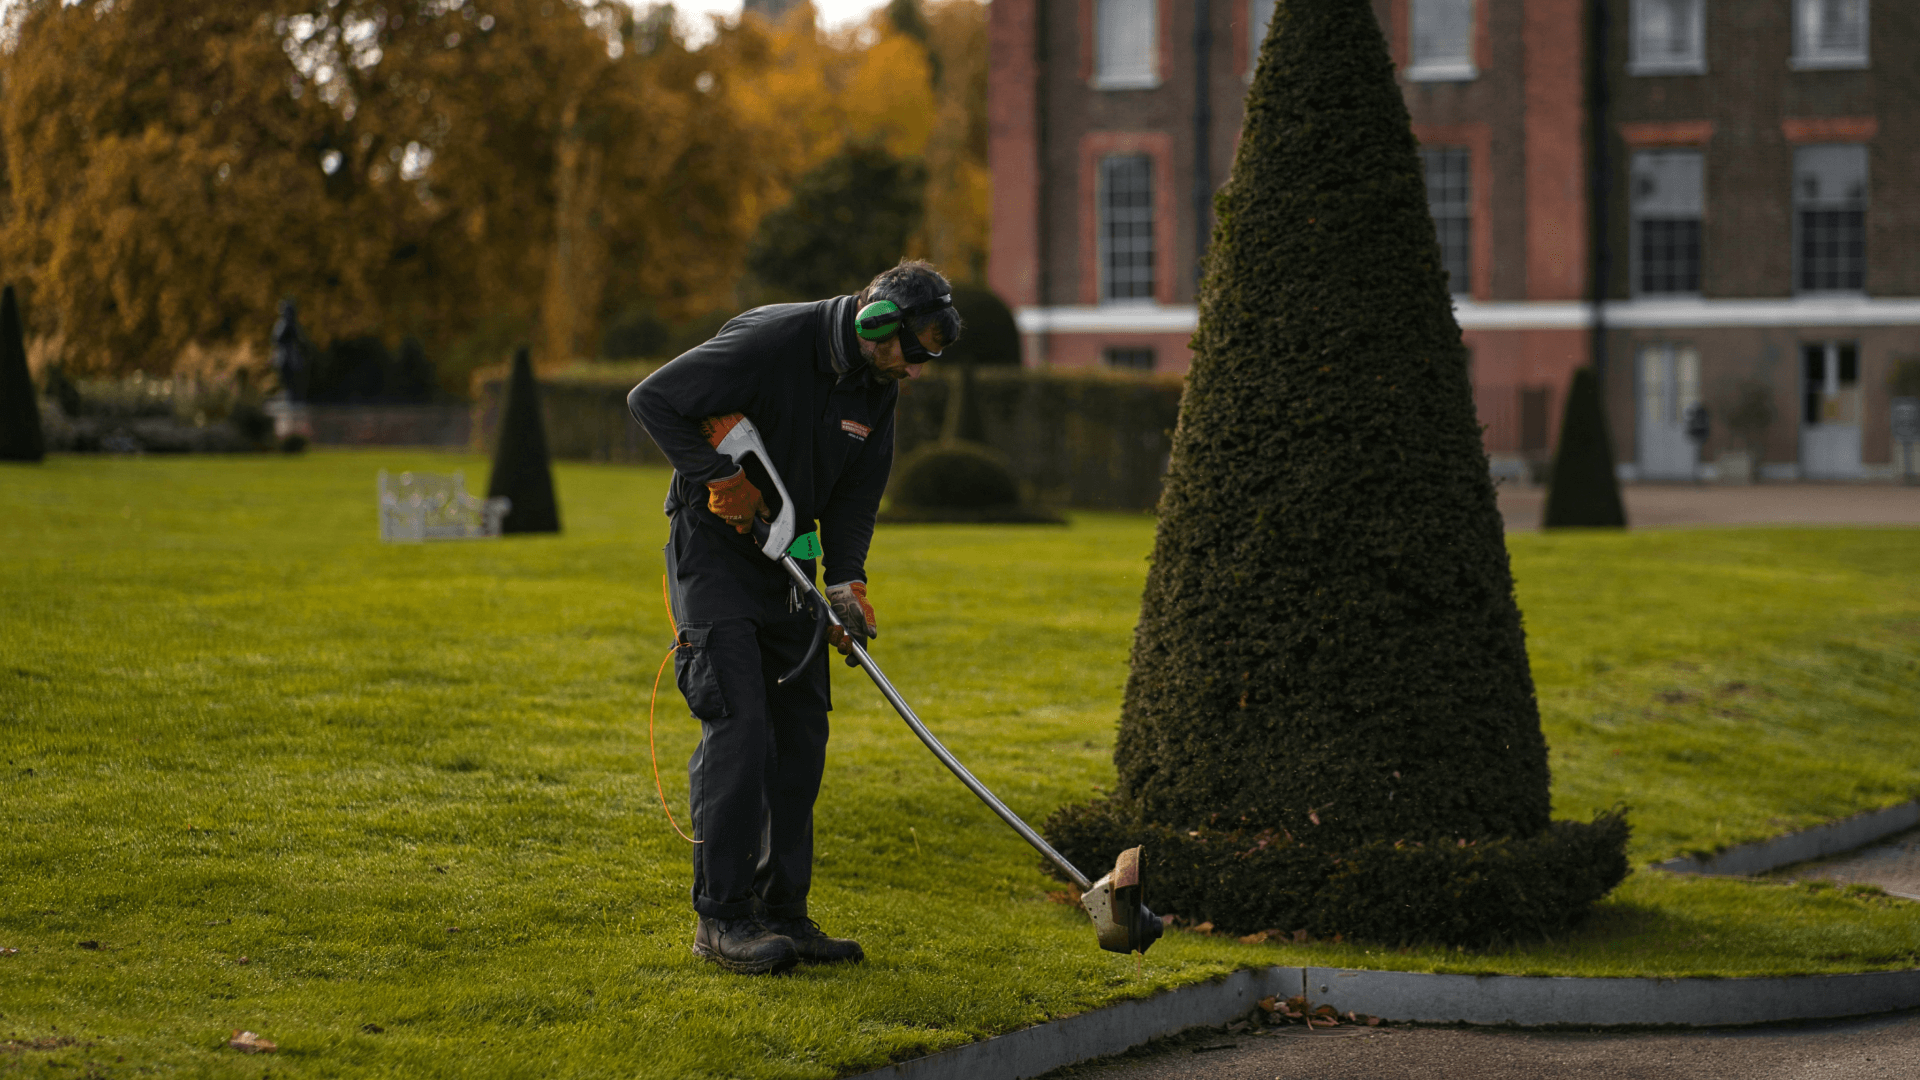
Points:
[(435, 506)]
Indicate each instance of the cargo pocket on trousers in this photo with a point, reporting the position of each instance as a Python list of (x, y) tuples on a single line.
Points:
[(693, 670)]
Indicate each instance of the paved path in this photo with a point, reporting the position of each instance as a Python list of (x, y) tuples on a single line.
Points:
[(1886, 1046), (1654, 505), (1893, 864)]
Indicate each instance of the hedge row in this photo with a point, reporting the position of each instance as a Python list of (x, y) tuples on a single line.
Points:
[(1432, 889), (1096, 440)]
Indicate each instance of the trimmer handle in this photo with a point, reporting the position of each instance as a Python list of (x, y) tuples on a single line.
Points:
[(735, 436)]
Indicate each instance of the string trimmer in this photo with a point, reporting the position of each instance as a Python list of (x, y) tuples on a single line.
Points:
[(1115, 902)]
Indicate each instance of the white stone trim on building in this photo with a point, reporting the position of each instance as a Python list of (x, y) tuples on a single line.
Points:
[(1522, 315)]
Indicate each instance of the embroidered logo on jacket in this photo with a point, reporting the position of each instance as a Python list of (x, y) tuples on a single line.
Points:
[(857, 430)]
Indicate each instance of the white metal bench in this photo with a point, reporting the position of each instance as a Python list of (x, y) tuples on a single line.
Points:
[(434, 506)]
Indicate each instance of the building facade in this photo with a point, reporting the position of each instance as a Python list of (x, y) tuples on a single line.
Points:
[(1717, 199)]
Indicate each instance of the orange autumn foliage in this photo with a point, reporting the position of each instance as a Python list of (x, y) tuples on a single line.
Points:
[(470, 172)]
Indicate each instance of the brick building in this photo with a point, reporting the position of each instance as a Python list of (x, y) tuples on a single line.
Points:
[(1744, 177)]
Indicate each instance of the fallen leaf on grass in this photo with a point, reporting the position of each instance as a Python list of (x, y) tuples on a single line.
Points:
[(453, 929), (1203, 928), (8, 952), (244, 960), (90, 945), (249, 1043), (372, 1029)]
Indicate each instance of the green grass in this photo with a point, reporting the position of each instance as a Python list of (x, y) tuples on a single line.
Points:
[(237, 725)]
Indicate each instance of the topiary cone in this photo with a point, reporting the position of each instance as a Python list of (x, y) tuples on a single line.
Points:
[(20, 435), (1329, 693), (1585, 491), (521, 470)]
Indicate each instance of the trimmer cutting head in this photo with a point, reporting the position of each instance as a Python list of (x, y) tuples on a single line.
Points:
[(1120, 917)]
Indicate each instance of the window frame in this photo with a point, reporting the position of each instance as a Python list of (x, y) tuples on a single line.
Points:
[(1462, 286), (1635, 243), (1103, 268), (1799, 209), (1450, 69), (1835, 355), (1804, 58), (1692, 65), (1256, 34), (1150, 81), (1672, 391)]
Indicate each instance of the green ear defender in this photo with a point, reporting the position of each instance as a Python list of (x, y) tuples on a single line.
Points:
[(878, 320)]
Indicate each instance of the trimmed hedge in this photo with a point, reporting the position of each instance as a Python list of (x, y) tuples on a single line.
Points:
[(957, 476), (958, 482), (520, 465), (20, 436), (1440, 889), (991, 336), (1329, 655), (1585, 492), (1091, 439)]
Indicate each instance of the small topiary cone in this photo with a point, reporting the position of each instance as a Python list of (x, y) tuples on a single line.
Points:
[(20, 436), (1585, 492), (521, 470)]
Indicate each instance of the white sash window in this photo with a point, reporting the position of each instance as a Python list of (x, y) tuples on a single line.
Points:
[(1124, 32), (1442, 40), (1829, 34), (1669, 37)]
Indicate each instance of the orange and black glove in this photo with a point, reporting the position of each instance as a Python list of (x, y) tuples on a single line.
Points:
[(736, 501), (849, 603)]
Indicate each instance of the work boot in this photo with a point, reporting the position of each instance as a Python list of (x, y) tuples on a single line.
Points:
[(743, 946), (813, 944)]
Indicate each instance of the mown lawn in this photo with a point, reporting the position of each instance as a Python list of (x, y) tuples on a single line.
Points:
[(409, 784)]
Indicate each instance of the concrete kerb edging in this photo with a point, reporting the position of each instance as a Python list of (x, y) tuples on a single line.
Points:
[(1815, 843), (1525, 1001), (1413, 996)]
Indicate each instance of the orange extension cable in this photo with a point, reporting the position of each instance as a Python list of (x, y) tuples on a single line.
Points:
[(653, 754)]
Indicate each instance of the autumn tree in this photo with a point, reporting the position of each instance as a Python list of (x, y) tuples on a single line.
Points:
[(959, 186), (470, 172), (442, 169), (852, 213)]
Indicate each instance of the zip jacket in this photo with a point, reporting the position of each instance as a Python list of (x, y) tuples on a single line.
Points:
[(796, 371)]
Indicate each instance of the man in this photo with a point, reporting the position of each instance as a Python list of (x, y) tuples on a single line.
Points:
[(819, 381)]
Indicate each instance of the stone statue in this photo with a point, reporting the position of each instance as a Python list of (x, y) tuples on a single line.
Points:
[(289, 354)]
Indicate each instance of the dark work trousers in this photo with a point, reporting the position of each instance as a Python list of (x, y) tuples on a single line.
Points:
[(763, 746)]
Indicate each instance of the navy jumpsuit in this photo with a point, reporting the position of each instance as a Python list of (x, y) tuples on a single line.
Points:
[(795, 370)]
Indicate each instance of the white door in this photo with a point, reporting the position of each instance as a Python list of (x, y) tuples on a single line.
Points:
[(1830, 411), (1669, 385)]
